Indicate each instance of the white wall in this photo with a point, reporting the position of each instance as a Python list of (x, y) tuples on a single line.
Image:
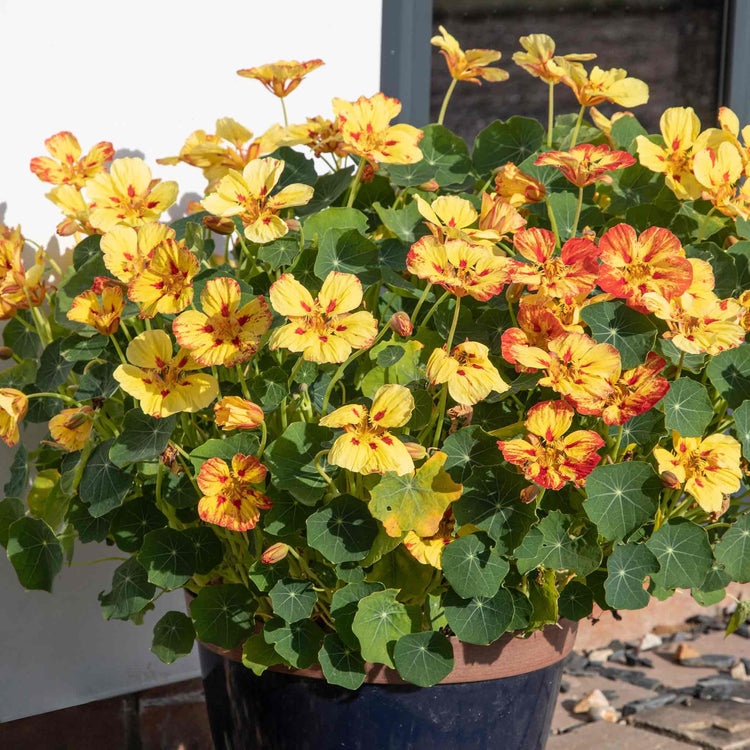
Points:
[(142, 75)]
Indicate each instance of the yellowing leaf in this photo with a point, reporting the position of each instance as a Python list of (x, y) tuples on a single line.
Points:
[(417, 501)]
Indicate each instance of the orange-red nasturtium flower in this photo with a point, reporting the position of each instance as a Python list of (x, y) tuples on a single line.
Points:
[(320, 135), (547, 456), (460, 267), (708, 468), (161, 382), (248, 195), (586, 164), (127, 251), (517, 187), (577, 367), (366, 132), (568, 275), (165, 285), (224, 333), (470, 65), (13, 408), (127, 195), (366, 447), (467, 370), (100, 308), (282, 77), (235, 413), (71, 428), (635, 391), (323, 329), (67, 167), (633, 265), (229, 498), (613, 85), (680, 129), (429, 549), (537, 325), (539, 58)]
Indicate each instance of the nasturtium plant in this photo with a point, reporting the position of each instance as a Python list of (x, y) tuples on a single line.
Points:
[(381, 391)]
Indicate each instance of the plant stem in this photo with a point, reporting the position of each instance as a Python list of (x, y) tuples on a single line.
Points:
[(100, 560), (435, 307), (447, 98), (321, 470), (578, 212), (552, 222), (679, 366), (243, 383), (46, 394), (420, 303), (355, 183), (550, 114), (119, 350), (578, 126), (263, 439), (283, 109), (295, 370), (616, 449), (704, 224), (444, 392)]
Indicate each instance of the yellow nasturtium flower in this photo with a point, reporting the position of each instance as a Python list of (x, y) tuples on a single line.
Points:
[(13, 408), (613, 85), (320, 135), (127, 195), (730, 124), (451, 216), (718, 170), (539, 59), (70, 200), (469, 65), (429, 549), (224, 333), (67, 166), (161, 382), (367, 133), (71, 428), (366, 447), (127, 251), (708, 468), (248, 195), (235, 413), (323, 329), (282, 77), (100, 308), (467, 370)]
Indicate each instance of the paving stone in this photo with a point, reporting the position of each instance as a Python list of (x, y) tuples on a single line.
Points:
[(717, 661), (631, 659), (649, 641), (646, 704), (612, 737), (722, 688), (633, 676), (576, 664)]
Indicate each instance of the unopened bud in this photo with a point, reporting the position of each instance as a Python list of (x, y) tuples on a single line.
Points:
[(670, 480), (731, 240), (169, 459), (513, 292), (368, 173), (529, 494), (5, 352), (103, 282), (460, 416), (194, 207), (67, 227), (430, 186), (588, 234), (415, 450), (275, 553), (401, 324), (219, 224), (292, 224)]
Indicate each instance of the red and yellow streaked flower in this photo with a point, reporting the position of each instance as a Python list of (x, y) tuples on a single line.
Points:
[(100, 308), (224, 333), (681, 131), (320, 135), (586, 164), (67, 167), (165, 285), (547, 456), (127, 195), (161, 382), (366, 447), (634, 265), (13, 408), (429, 549), (518, 188), (744, 301), (708, 468), (367, 133), (613, 85), (499, 217), (282, 77), (730, 124), (718, 170), (235, 413), (470, 65), (574, 272), (71, 428), (460, 267), (323, 329), (229, 498), (539, 58), (537, 326), (21, 289), (127, 251), (577, 367), (75, 209), (248, 195), (467, 370), (451, 216)]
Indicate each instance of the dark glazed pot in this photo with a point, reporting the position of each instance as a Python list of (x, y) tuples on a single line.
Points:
[(500, 697)]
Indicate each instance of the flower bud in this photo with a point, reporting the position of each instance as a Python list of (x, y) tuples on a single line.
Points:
[(5, 352), (219, 224), (670, 480), (513, 292), (401, 324), (415, 450), (292, 224), (235, 413), (529, 494), (275, 553), (430, 186)]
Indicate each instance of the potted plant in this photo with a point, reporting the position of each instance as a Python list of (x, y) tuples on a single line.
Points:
[(395, 413)]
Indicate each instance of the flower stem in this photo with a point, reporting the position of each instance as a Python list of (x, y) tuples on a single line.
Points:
[(578, 126), (355, 182), (447, 98), (263, 439), (679, 366), (616, 448), (46, 394), (119, 350), (550, 114), (704, 224), (444, 392), (432, 310), (420, 303), (578, 212), (553, 222), (283, 109), (243, 382), (295, 369)]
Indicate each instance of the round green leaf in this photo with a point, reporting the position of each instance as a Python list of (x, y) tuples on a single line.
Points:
[(293, 600), (423, 658), (131, 592), (576, 601), (687, 408), (76, 348), (89, 529), (19, 473), (341, 664), (35, 553), (380, 621), (472, 567), (627, 568), (103, 485), (347, 251), (296, 642), (11, 509), (258, 654), (344, 606), (168, 556), (24, 342), (343, 530), (174, 636), (729, 373), (179, 491), (621, 497), (53, 368), (133, 520), (468, 449), (521, 611), (683, 552), (334, 218), (501, 142), (223, 615), (207, 548), (266, 575), (741, 417), (350, 572), (287, 515), (734, 549), (243, 442), (480, 619), (645, 430), (143, 438)]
